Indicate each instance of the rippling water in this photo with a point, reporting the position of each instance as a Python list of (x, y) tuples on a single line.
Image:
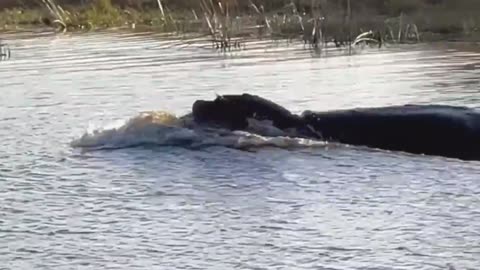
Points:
[(155, 207)]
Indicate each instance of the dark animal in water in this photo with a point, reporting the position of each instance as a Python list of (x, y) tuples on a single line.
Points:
[(234, 111), (440, 130)]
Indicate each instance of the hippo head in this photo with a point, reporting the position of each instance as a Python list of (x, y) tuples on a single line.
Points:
[(235, 112)]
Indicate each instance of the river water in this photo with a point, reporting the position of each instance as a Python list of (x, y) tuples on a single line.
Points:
[(171, 207)]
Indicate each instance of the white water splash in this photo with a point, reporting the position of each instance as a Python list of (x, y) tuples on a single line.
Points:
[(161, 128)]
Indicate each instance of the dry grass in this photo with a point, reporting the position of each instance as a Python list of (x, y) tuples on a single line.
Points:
[(316, 22)]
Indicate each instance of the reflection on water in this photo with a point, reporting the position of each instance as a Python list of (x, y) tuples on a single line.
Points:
[(217, 208)]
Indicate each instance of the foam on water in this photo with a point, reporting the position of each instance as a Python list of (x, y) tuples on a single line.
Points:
[(164, 129)]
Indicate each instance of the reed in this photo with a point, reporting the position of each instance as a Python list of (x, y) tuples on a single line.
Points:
[(60, 16), (229, 24), (5, 52)]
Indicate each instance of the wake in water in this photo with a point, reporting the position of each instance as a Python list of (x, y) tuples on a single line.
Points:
[(164, 129), (417, 129)]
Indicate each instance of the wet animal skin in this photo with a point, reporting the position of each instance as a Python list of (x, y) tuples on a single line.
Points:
[(440, 130)]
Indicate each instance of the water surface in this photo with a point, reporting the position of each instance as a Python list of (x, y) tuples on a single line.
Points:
[(168, 207)]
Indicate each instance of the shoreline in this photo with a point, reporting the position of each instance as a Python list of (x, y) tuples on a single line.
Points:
[(226, 28)]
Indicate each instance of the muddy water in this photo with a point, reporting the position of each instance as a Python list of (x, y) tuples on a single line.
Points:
[(167, 207)]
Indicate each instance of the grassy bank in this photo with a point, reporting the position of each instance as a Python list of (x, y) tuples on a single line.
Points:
[(226, 22)]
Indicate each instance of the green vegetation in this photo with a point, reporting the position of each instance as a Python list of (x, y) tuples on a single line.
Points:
[(228, 21)]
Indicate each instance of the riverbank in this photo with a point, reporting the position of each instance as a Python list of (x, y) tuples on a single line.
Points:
[(228, 25)]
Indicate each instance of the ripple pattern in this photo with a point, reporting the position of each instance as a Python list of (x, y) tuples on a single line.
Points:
[(337, 207)]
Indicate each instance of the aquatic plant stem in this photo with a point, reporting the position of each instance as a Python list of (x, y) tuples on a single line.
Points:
[(349, 21), (160, 6)]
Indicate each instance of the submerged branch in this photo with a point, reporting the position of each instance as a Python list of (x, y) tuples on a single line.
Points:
[(4, 52)]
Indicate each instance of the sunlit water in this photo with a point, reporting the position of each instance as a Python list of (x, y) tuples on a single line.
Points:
[(164, 206)]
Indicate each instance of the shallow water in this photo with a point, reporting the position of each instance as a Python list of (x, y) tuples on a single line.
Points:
[(170, 207)]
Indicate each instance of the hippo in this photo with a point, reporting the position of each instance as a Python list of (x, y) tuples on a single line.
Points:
[(437, 130)]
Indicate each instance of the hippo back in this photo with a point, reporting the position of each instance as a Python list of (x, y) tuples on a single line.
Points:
[(422, 129)]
